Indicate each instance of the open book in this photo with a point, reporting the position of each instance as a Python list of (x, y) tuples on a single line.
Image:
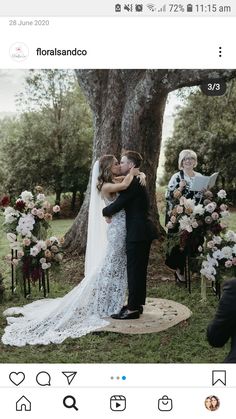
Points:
[(204, 182)]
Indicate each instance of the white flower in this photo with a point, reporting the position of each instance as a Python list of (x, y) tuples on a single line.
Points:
[(200, 248), (230, 236), (11, 237), (42, 244), (34, 251), (185, 223), (224, 214), (234, 249), (208, 271), (46, 266), (9, 210), (226, 252), (42, 260), (54, 239), (14, 244), (26, 196), (198, 209), (189, 203), (25, 225), (212, 261), (40, 197), (10, 215), (217, 239), (217, 254), (169, 224), (211, 207), (222, 194)]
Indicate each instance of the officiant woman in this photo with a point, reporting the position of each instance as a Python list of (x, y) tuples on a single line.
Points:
[(180, 185)]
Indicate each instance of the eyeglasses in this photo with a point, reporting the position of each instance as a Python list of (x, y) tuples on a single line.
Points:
[(188, 158)]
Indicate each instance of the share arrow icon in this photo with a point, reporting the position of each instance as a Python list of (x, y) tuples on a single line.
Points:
[(70, 375)]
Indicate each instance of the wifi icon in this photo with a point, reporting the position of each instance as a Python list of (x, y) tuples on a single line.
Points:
[(151, 7)]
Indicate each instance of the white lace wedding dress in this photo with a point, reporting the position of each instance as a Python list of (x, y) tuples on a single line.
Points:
[(85, 308)]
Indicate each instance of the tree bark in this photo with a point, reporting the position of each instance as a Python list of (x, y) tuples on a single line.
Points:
[(128, 108)]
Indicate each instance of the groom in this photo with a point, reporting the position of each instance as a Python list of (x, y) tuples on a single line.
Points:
[(140, 233)]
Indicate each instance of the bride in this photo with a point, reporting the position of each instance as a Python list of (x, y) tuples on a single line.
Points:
[(101, 292)]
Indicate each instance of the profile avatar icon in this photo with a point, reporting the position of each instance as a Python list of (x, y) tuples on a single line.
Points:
[(212, 403)]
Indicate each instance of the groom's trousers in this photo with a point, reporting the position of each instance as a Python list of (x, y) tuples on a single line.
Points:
[(137, 262)]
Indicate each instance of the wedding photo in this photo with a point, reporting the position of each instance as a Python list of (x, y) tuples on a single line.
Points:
[(118, 216)]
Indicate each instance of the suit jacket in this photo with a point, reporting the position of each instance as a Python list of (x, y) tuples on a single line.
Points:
[(135, 201), (223, 326)]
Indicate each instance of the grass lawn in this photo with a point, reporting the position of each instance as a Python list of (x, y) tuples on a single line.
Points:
[(183, 343)]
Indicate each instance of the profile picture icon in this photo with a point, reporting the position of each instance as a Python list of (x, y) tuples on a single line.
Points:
[(212, 403)]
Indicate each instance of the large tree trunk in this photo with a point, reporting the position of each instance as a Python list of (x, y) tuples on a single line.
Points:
[(128, 108)]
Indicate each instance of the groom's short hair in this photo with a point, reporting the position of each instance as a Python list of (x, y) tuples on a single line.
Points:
[(134, 157)]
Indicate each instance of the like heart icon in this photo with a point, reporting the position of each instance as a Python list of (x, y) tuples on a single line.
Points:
[(17, 378)]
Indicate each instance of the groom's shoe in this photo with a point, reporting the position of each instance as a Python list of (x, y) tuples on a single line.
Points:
[(124, 308), (125, 315)]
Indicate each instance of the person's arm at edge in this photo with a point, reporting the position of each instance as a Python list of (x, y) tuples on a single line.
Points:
[(221, 327)]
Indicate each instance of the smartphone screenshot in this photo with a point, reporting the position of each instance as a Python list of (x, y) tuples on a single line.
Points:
[(117, 209)]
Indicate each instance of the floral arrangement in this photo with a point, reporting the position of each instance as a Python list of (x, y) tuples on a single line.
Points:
[(207, 220), (189, 221), (27, 222), (219, 258)]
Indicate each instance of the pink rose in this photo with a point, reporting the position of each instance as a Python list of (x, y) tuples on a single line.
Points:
[(223, 207), (179, 209), (215, 215), (234, 261), (40, 214), (56, 208), (194, 224), (34, 211), (173, 219), (228, 263)]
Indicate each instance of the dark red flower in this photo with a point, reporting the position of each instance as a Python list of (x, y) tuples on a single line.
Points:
[(216, 228), (5, 201), (19, 205)]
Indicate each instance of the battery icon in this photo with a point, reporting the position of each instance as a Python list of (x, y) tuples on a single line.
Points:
[(189, 7)]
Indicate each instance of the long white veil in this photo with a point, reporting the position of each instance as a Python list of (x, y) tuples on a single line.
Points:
[(97, 227)]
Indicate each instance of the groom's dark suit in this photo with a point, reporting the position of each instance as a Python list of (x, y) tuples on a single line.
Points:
[(140, 233), (223, 327)]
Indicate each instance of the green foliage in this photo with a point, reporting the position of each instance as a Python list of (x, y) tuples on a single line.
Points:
[(208, 126), (50, 143)]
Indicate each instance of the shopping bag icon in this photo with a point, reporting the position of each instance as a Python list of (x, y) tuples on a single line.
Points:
[(165, 404)]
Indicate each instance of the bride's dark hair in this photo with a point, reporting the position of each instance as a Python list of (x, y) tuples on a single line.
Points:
[(105, 175)]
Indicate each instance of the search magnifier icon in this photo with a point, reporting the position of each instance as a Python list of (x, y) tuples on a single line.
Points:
[(70, 402)]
